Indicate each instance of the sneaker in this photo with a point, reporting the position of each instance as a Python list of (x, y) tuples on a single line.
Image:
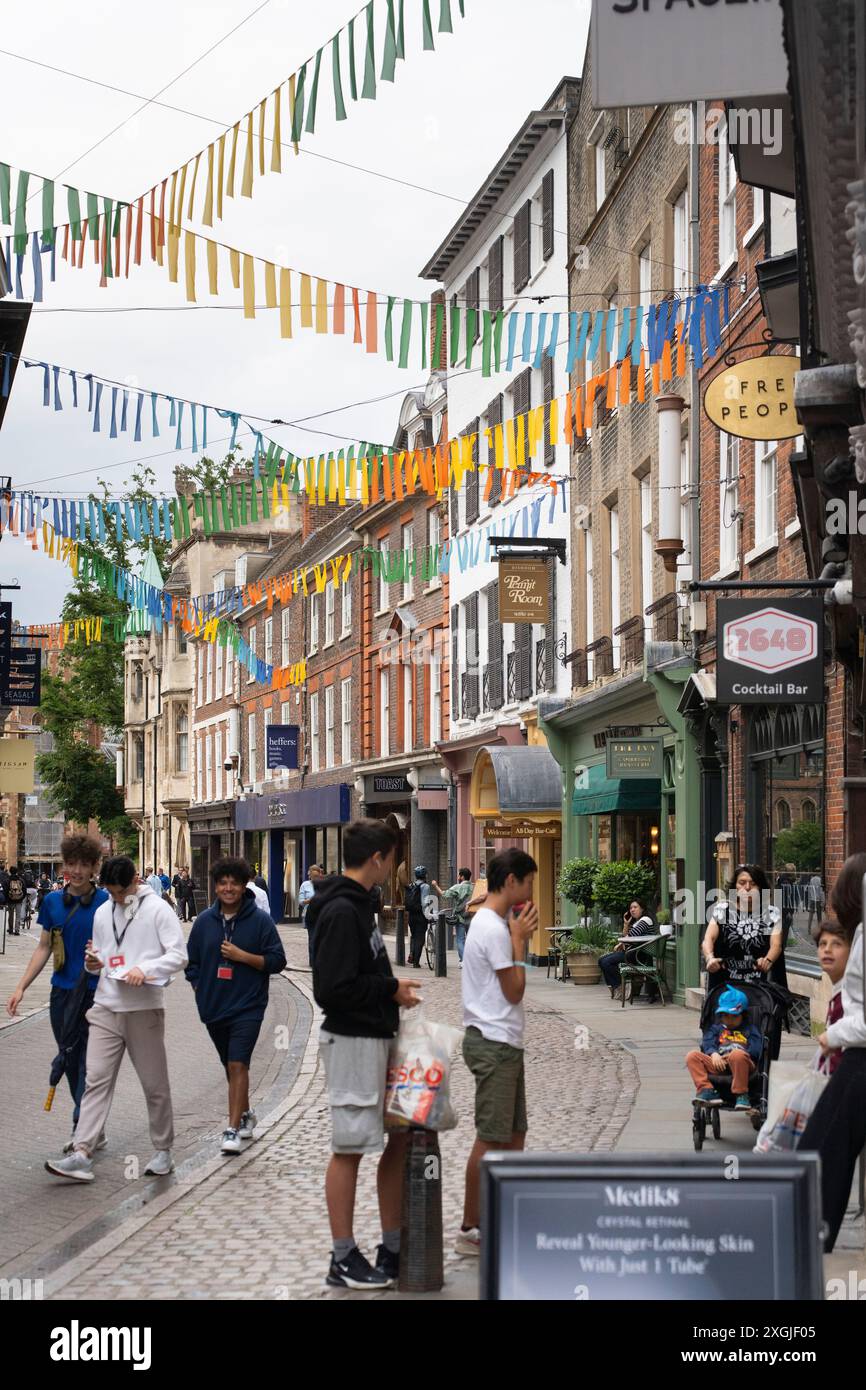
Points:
[(742, 1103), (468, 1242), (709, 1096), (247, 1125), (77, 1167), (356, 1272), (388, 1263), (160, 1165), (231, 1143)]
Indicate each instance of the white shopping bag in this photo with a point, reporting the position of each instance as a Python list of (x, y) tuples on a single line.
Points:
[(419, 1073), (783, 1132)]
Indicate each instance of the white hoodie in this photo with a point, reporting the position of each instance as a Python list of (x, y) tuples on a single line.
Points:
[(152, 940), (850, 1031)]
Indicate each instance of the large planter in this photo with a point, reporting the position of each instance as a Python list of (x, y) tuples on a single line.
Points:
[(584, 969)]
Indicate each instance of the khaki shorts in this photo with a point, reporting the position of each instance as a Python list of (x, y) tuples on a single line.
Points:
[(500, 1088), (357, 1071)]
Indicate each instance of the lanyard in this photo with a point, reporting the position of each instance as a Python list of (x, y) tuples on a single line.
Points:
[(228, 932), (118, 940)]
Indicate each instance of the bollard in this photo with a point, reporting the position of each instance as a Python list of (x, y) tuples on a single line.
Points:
[(399, 931), (421, 1253), (441, 942)]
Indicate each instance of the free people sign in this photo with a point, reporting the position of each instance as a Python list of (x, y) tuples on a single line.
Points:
[(573, 1227), (770, 652), (755, 399), (524, 590), (646, 52)]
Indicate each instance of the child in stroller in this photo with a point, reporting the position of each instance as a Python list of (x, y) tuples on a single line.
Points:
[(741, 1029)]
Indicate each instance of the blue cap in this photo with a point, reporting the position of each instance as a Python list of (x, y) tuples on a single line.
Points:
[(732, 1001)]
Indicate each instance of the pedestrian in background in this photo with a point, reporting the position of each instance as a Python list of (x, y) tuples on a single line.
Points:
[(66, 918), (16, 900), (459, 893), (154, 883), (416, 897), (306, 893), (234, 948), (353, 983), (136, 950), (493, 985)]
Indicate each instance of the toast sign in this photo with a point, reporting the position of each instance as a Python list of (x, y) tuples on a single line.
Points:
[(770, 652)]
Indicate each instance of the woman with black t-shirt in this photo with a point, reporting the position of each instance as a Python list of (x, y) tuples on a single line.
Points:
[(743, 940)]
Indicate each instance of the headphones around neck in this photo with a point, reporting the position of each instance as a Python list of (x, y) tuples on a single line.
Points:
[(69, 900)]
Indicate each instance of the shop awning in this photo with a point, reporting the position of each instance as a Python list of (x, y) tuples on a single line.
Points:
[(527, 781), (602, 793)]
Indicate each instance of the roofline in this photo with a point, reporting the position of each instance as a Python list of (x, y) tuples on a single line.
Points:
[(501, 175)]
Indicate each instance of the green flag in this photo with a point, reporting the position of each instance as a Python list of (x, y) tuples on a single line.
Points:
[(369, 88), (339, 104)]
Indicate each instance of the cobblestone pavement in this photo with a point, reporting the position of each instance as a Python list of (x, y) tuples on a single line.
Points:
[(42, 1221), (257, 1228)]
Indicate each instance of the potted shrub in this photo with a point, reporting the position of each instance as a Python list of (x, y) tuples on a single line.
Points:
[(616, 885), (582, 950), (575, 883)]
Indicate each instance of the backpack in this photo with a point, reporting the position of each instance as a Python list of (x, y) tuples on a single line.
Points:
[(15, 892), (412, 899)]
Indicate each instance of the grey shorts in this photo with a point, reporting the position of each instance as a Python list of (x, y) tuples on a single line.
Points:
[(356, 1070)]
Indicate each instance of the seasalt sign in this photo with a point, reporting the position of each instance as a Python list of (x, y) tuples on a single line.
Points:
[(755, 399)]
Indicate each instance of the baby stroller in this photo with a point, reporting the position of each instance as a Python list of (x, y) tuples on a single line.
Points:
[(768, 1011)]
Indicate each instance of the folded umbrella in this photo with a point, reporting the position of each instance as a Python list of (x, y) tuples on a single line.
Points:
[(73, 1022)]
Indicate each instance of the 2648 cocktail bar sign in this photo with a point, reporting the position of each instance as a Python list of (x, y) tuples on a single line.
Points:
[(770, 652)]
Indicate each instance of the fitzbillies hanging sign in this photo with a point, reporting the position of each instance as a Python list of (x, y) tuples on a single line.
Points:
[(770, 652)]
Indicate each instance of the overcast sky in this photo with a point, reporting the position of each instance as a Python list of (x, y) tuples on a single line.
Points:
[(442, 124)]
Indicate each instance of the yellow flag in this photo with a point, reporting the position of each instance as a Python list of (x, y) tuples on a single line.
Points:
[(292, 109), (189, 206), (173, 253), (321, 470), (306, 302), (498, 447), (235, 266), (262, 104), (554, 422), (171, 201), (207, 215), (276, 144), (230, 184), (285, 303), (189, 256), (220, 172), (212, 266), (247, 180), (509, 442), (249, 288), (270, 286), (321, 306), (180, 198)]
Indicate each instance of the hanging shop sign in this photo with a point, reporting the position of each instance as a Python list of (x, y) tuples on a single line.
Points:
[(734, 50), (22, 680), (755, 399), (522, 830), (5, 638), (770, 652), (634, 757), (663, 1227), (281, 745), (524, 590), (16, 765)]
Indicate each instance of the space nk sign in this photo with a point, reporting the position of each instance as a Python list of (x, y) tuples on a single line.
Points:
[(770, 652)]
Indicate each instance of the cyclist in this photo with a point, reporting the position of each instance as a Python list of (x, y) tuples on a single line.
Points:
[(416, 897)]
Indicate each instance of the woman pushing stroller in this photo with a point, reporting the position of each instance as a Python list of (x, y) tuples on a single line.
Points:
[(743, 940)]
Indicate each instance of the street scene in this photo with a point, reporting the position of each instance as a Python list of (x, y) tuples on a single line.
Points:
[(433, 748)]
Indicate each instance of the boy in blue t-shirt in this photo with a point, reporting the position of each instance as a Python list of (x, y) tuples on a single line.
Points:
[(66, 919)]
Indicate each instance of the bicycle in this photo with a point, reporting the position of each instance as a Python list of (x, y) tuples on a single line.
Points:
[(430, 945)]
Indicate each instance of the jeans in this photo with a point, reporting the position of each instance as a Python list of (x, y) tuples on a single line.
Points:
[(76, 1068), (609, 967), (460, 938)]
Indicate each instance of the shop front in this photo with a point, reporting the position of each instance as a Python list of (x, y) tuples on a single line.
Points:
[(286, 833), (472, 850), (210, 835), (515, 798), (412, 799)]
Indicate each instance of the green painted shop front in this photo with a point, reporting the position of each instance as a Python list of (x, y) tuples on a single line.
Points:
[(651, 819)]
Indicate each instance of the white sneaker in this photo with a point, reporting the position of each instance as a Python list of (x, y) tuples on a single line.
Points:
[(468, 1242), (77, 1167), (160, 1165), (247, 1125), (231, 1143)]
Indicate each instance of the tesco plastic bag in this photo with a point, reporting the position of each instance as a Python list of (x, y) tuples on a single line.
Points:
[(419, 1073), (781, 1131)]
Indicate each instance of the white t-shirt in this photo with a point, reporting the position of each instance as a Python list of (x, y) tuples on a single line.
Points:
[(488, 949)]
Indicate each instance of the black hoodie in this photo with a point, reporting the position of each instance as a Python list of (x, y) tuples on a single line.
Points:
[(352, 978)]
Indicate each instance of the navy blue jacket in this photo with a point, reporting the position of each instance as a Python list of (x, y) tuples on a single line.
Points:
[(719, 1038), (247, 991)]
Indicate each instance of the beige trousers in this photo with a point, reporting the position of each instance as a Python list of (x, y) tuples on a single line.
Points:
[(141, 1033)]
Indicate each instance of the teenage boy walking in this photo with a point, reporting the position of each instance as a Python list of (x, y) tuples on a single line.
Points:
[(66, 919), (494, 981), (354, 985), (137, 947), (233, 949)]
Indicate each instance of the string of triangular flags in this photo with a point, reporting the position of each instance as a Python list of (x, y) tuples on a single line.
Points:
[(116, 234)]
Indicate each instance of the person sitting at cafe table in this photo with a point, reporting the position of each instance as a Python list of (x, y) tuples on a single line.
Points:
[(639, 920)]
